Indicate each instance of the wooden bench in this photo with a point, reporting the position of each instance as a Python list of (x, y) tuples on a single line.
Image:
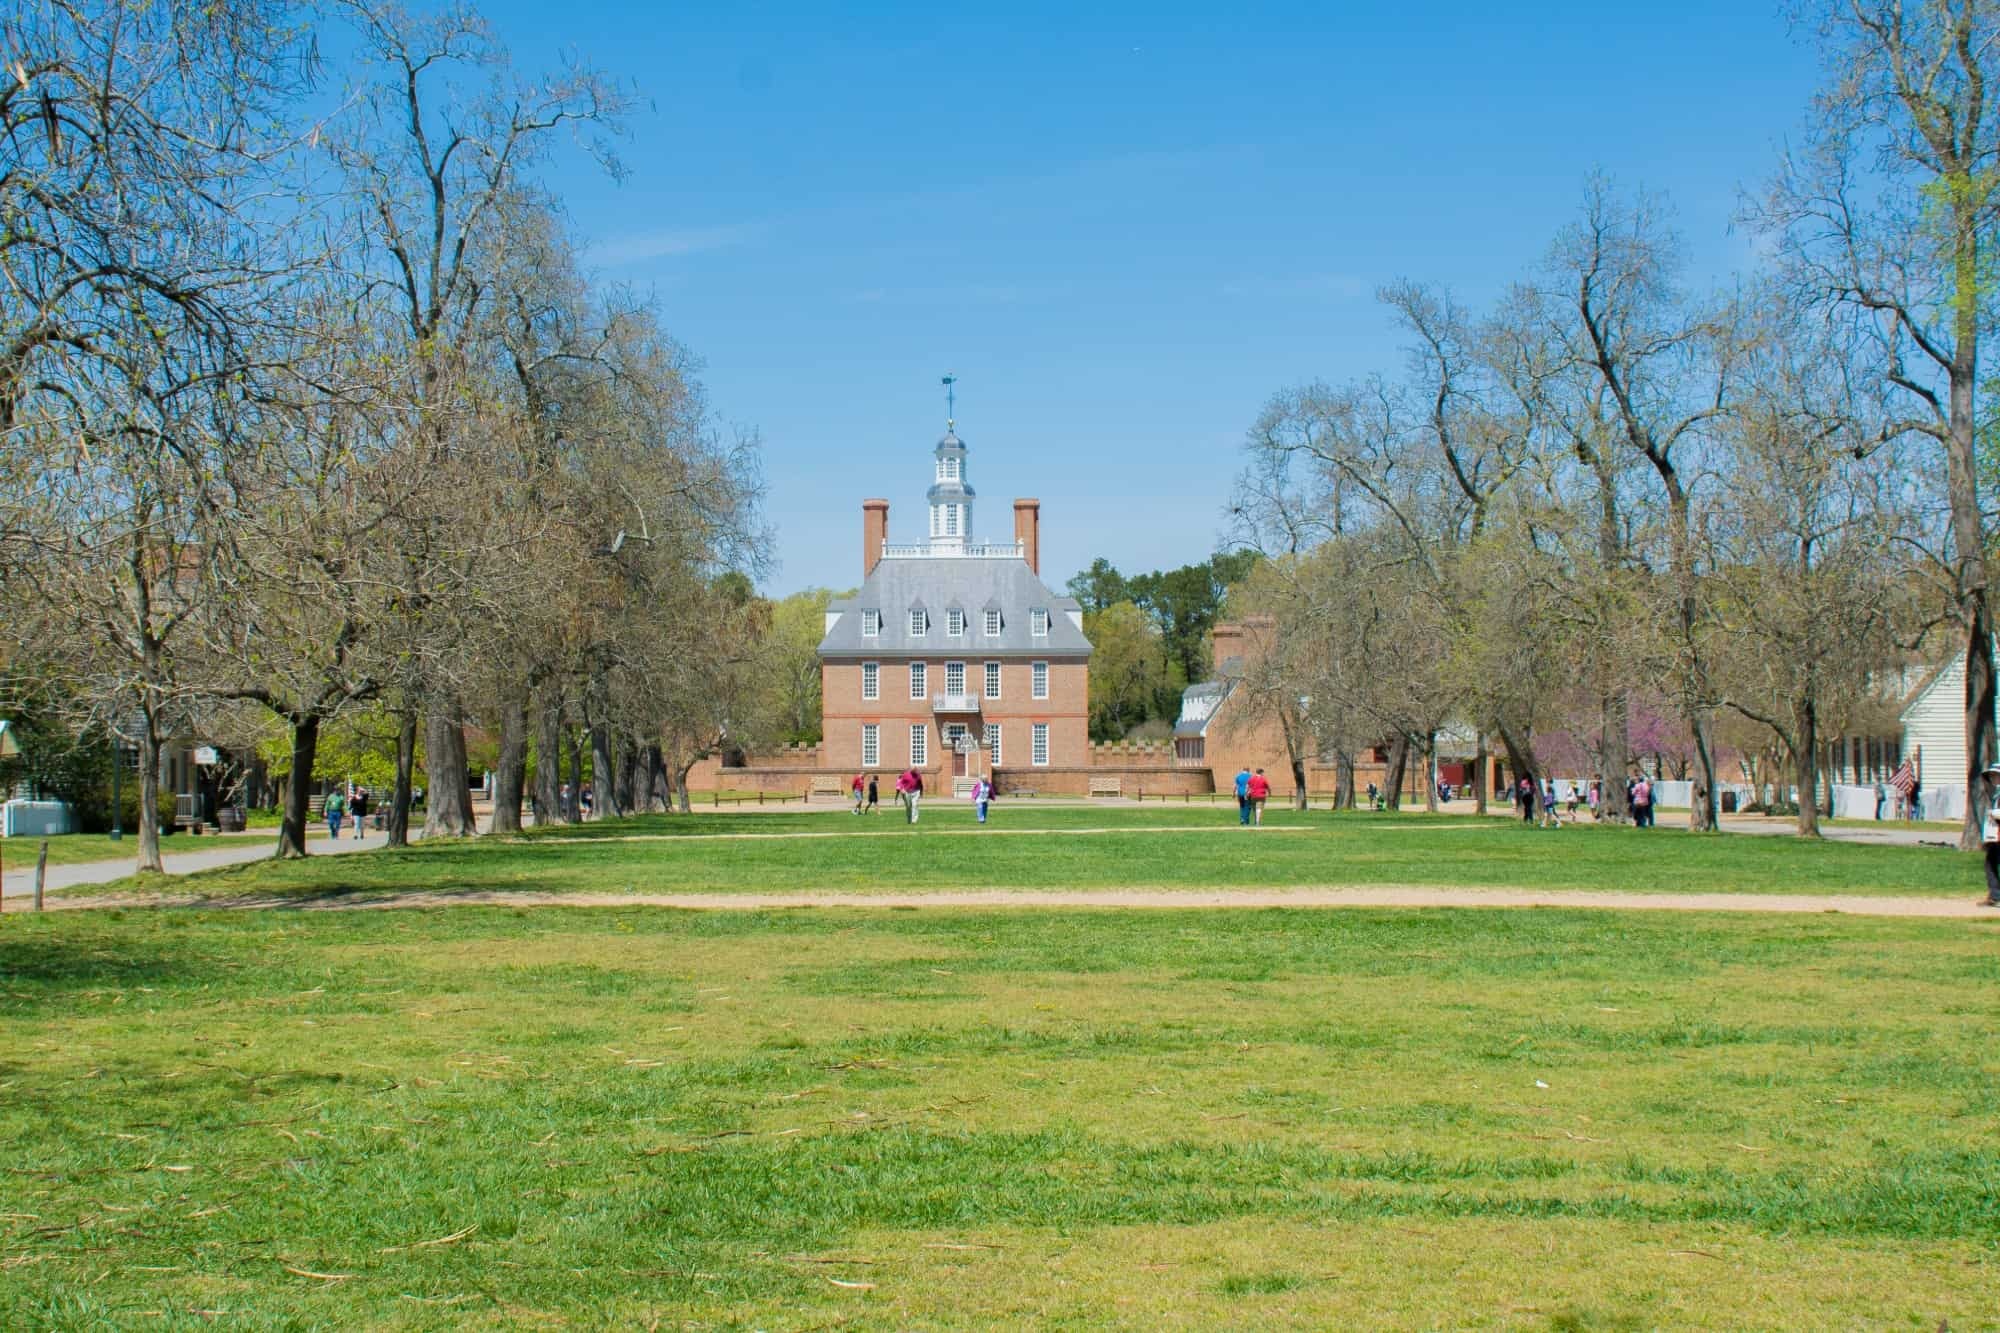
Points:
[(1107, 787), (830, 786)]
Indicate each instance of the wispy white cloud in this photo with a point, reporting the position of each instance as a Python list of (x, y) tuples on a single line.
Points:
[(670, 242)]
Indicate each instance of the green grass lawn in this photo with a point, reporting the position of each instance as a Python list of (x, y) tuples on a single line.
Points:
[(1165, 846), (498, 1118)]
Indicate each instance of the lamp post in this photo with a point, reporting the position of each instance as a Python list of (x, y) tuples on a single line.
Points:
[(117, 762)]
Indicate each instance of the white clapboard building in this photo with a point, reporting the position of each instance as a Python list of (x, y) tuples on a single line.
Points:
[(1933, 718)]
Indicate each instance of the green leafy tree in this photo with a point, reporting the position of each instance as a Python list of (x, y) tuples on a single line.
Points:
[(1099, 587), (1128, 671), (798, 623)]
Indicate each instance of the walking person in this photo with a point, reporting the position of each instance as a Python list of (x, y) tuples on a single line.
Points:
[(1524, 799), (1243, 795), (359, 807), (1989, 834), (860, 787), (1260, 791), (1642, 802), (982, 793), (916, 794), (336, 807), (874, 805)]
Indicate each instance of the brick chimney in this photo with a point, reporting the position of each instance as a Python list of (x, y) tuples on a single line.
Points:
[(1028, 531), (874, 531)]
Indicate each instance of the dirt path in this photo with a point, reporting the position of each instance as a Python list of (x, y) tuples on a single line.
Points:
[(1387, 895)]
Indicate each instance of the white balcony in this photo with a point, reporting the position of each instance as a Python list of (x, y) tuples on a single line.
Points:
[(955, 548), (955, 703)]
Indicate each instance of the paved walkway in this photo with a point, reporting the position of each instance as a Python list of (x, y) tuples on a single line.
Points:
[(227, 850), (1384, 895)]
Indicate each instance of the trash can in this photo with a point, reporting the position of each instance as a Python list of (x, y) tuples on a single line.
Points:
[(1728, 802), (229, 819)]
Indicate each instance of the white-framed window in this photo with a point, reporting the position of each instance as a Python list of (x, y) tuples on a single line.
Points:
[(951, 469), (993, 680), (920, 680), (920, 622), (954, 623), (1038, 749), (920, 745), (953, 734), (871, 744), (871, 680), (993, 744), (1040, 677), (954, 678), (1038, 623), (951, 520), (871, 624), (992, 624)]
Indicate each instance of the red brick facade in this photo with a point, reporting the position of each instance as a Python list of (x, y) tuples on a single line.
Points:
[(845, 712)]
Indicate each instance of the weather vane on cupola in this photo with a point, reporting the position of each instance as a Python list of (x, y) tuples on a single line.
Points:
[(950, 401)]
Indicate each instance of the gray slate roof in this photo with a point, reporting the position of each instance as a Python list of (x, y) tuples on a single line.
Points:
[(971, 583)]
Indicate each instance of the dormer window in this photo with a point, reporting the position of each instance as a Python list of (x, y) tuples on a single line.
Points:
[(871, 624), (920, 623), (954, 623), (1038, 623), (992, 624)]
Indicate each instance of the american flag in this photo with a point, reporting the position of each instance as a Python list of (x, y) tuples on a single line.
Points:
[(1904, 780)]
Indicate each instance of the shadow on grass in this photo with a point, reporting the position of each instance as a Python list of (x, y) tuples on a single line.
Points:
[(47, 964)]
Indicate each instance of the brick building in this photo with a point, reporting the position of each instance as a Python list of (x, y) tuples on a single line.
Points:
[(954, 657)]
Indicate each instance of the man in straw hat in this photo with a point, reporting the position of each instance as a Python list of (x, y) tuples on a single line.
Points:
[(1989, 832)]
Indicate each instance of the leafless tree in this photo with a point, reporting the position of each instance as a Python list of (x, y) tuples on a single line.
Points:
[(1886, 211)]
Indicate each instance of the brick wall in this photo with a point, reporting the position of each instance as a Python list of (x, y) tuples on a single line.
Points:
[(844, 712), (1076, 781), (1132, 755)]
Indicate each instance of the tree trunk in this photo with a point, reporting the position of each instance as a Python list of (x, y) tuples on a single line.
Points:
[(1614, 748), (548, 756), (448, 798), (680, 784), (298, 791), (1430, 773), (663, 785), (1343, 780), (1703, 815), (149, 796), (603, 773), (628, 776), (1399, 763), (1521, 762), (512, 774), (406, 778), (575, 812), (1805, 761), (1968, 525), (1614, 744), (642, 778), (1479, 775)]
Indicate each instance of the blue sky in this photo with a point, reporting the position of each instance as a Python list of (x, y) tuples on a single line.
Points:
[(1123, 229)]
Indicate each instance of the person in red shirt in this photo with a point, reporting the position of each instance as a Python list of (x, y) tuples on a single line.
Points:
[(1260, 791)]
